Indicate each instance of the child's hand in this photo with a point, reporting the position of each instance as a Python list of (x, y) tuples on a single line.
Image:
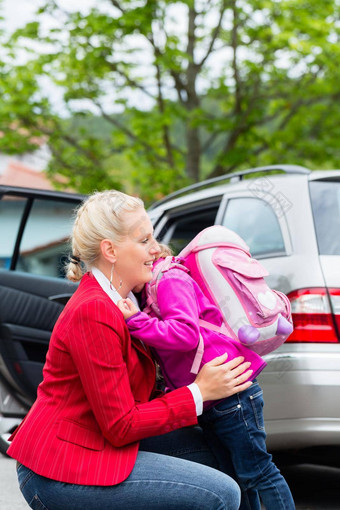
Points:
[(127, 307)]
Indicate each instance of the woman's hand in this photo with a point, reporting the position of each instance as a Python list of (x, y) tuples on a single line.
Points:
[(217, 379), (127, 307)]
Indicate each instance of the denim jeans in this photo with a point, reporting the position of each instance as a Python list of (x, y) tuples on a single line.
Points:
[(235, 426), (157, 482)]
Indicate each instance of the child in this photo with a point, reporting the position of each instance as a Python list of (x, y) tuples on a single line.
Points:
[(235, 423)]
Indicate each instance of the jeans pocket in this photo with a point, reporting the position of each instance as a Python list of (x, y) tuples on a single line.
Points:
[(37, 504), (227, 412), (256, 401)]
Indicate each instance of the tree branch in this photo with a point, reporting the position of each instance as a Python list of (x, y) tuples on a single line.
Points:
[(116, 4), (130, 134), (234, 45), (132, 83), (160, 102), (179, 86), (215, 35), (66, 137)]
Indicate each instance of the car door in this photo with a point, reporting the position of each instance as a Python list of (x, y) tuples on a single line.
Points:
[(34, 230), (178, 227)]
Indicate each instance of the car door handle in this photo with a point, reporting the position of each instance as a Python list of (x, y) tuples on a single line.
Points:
[(60, 298)]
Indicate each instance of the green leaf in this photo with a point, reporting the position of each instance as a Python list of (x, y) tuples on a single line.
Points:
[(147, 105)]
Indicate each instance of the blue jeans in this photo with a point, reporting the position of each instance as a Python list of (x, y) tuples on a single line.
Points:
[(235, 426), (157, 482)]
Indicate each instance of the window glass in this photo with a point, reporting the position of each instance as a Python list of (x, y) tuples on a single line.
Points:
[(255, 221), (11, 210), (326, 211), (181, 230), (44, 247)]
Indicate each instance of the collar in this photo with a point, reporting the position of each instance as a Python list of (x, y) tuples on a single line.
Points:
[(110, 291)]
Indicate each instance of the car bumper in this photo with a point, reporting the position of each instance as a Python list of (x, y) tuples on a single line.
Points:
[(301, 386)]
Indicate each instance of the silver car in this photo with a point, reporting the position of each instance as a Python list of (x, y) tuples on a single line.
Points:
[(290, 219)]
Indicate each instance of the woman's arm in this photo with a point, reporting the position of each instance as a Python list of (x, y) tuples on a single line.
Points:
[(118, 380)]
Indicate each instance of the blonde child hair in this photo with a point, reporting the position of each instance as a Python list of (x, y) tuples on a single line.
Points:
[(165, 251)]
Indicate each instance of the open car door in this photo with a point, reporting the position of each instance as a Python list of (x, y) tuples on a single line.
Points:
[(34, 229)]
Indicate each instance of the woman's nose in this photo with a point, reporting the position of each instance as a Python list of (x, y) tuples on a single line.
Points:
[(155, 248)]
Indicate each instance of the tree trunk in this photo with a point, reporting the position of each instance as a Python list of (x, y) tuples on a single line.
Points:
[(192, 132)]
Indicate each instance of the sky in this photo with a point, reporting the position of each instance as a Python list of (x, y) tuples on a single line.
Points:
[(19, 12)]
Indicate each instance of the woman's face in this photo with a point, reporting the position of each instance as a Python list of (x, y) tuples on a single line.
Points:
[(136, 252)]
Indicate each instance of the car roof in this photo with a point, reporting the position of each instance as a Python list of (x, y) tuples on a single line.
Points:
[(213, 189), (40, 193), (319, 175)]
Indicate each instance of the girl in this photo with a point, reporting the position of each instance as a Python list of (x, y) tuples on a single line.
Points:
[(235, 423)]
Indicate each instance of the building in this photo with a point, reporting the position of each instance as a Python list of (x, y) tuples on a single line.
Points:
[(26, 170)]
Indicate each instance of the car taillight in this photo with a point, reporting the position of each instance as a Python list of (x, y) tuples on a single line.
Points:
[(334, 295), (316, 315)]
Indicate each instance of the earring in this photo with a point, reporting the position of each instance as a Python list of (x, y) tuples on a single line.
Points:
[(112, 287), (111, 276)]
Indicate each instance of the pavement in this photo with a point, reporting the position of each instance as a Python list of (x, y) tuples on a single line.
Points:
[(313, 487), (10, 495)]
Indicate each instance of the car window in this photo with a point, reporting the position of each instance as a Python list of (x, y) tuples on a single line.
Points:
[(11, 211), (325, 197), (180, 230), (44, 246), (34, 234), (255, 221)]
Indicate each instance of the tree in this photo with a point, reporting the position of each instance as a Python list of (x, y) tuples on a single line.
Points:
[(187, 89)]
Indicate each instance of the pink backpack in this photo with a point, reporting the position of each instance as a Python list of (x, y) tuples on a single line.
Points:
[(220, 262)]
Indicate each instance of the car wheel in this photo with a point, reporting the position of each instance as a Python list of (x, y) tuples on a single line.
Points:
[(4, 444)]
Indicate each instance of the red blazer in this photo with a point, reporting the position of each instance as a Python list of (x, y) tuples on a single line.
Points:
[(94, 405)]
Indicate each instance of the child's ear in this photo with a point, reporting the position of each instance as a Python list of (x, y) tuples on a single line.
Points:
[(108, 250)]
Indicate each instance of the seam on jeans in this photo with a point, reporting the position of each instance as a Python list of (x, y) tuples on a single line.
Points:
[(182, 451), (27, 478), (255, 395), (254, 405), (274, 487), (235, 409), (181, 484), (171, 482), (262, 474), (38, 504)]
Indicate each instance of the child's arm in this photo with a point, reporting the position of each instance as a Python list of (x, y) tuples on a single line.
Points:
[(127, 307), (179, 327)]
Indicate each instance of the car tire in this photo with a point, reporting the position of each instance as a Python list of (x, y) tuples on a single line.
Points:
[(4, 443)]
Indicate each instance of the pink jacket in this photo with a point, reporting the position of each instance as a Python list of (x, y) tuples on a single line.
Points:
[(175, 337)]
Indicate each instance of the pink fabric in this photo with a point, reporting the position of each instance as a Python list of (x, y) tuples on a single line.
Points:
[(175, 338)]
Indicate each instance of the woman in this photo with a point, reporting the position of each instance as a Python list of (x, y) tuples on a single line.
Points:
[(78, 447)]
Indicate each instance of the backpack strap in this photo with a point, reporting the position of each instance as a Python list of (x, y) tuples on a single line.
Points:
[(152, 286), (218, 244), (198, 356), (151, 303), (200, 349), (218, 329)]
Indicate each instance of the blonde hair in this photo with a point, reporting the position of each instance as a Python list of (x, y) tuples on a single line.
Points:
[(99, 217), (165, 251)]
